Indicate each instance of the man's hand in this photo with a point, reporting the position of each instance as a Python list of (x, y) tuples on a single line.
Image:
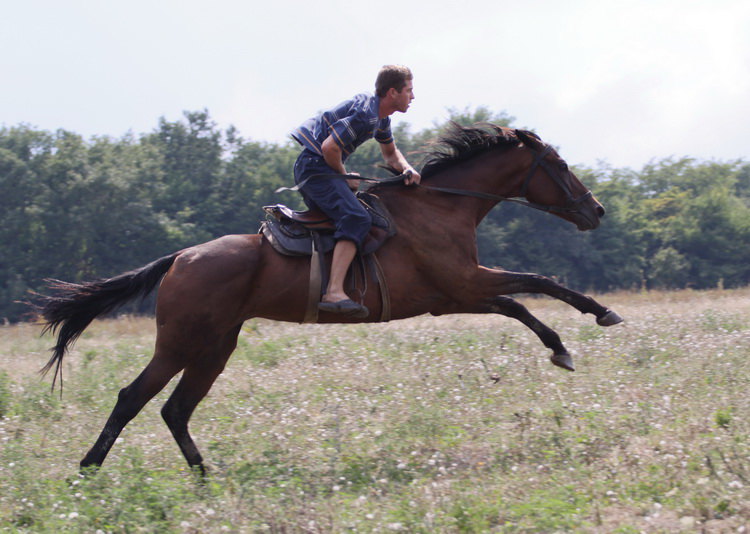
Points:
[(413, 177), (353, 184), (396, 159)]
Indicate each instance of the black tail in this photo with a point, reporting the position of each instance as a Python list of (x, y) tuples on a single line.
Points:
[(73, 306)]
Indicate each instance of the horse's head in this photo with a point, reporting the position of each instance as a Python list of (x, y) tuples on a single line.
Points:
[(550, 185), (535, 172)]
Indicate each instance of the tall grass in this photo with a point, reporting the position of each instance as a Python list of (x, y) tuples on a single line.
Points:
[(450, 424)]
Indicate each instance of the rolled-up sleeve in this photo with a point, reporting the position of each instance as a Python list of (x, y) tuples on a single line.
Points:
[(344, 132), (349, 132)]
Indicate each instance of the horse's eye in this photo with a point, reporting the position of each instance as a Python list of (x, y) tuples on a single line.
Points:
[(563, 166)]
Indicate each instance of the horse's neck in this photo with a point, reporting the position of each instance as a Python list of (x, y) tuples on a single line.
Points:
[(419, 207), (429, 223), (496, 174)]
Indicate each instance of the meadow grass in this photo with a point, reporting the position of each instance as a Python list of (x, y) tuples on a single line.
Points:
[(447, 424)]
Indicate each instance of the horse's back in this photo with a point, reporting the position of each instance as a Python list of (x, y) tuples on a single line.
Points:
[(217, 261)]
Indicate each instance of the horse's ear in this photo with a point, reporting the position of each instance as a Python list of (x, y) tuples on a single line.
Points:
[(529, 138)]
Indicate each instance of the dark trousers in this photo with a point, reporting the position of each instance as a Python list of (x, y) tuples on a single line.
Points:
[(333, 197)]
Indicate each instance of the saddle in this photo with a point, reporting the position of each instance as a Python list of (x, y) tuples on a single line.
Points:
[(310, 233)]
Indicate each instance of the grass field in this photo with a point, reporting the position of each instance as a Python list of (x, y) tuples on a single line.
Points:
[(450, 424)]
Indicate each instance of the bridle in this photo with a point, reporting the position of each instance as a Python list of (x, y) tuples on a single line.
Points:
[(572, 204)]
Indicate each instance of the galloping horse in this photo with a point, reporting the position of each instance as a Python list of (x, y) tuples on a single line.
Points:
[(209, 290)]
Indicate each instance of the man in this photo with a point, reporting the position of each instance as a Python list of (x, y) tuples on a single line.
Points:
[(328, 139)]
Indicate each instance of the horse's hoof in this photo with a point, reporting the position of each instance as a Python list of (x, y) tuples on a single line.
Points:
[(88, 470), (608, 319), (563, 360)]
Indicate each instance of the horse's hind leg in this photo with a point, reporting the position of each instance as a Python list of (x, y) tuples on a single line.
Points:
[(195, 383), (130, 401)]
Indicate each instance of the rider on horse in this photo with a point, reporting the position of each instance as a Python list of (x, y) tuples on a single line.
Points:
[(328, 139)]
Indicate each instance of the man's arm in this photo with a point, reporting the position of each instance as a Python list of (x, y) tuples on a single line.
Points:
[(332, 156), (396, 159)]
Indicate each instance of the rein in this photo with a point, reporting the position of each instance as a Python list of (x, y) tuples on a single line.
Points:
[(389, 180), (498, 198), (571, 204)]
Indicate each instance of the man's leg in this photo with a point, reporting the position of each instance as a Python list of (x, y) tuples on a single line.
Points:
[(336, 200), (343, 254)]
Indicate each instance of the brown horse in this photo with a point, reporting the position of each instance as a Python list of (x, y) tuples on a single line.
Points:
[(209, 290)]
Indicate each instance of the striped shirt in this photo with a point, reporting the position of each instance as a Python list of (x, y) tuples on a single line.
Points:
[(351, 123)]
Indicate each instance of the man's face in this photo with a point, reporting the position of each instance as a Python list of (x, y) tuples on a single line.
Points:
[(404, 97)]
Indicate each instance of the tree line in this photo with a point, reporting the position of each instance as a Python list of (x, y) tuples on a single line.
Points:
[(76, 209)]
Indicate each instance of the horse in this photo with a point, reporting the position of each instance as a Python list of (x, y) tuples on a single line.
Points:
[(206, 292)]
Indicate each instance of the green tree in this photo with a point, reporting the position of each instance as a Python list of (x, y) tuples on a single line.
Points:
[(190, 155), (249, 182), (696, 225), (617, 256)]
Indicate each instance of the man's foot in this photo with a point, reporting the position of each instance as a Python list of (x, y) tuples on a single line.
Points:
[(345, 307)]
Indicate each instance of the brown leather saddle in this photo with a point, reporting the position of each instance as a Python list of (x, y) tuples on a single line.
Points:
[(310, 233)]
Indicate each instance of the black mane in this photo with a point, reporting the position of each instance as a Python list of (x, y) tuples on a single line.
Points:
[(460, 143)]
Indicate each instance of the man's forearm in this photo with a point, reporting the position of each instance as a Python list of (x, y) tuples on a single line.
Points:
[(398, 161), (332, 155)]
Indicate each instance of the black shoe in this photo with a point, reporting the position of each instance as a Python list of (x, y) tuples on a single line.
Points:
[(346, 307)]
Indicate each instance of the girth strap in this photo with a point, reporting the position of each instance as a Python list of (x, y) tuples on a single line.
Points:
[(385, 294), (318, 280)]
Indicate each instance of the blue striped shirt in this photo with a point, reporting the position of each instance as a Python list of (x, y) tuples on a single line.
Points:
[(351, 123)]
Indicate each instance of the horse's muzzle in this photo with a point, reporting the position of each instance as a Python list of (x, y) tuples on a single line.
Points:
[(588, 214)]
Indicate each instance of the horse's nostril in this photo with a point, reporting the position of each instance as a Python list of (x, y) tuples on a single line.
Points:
[(600, 211)]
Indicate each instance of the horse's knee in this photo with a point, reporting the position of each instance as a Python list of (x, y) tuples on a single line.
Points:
[(126, 407), (543, 281), (170, 414), (122, 396)]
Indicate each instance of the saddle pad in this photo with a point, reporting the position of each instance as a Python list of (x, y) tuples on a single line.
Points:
[(292, 239)]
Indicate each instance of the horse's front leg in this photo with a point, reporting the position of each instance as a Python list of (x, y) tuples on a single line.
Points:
[(505, 283), (515, 310)]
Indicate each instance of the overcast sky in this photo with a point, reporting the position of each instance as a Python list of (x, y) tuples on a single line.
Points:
[(624, 82)]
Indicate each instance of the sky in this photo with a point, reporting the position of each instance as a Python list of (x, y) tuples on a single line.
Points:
[(619, 83)]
